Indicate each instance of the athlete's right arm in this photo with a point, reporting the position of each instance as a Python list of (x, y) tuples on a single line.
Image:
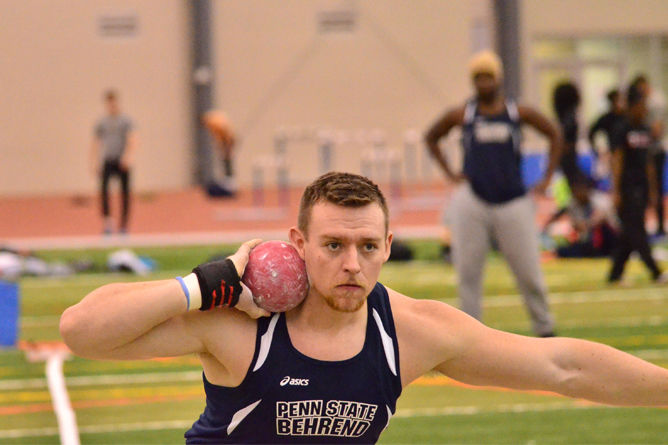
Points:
[(439, 130), (151, 319), (131, 321)]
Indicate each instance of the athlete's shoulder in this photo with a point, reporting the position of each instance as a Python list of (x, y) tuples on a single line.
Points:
[(450, 118), (527, 113), (429, 332), (415, 312)]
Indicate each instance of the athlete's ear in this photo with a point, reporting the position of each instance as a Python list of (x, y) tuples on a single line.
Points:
[(388, 245), (298, 240)]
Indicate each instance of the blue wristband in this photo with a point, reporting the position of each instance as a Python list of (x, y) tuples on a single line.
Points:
[(185, 291)]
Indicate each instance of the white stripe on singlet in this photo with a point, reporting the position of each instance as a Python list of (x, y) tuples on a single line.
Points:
[(265, 342), (241, 415), (388, 344), (469, 111)]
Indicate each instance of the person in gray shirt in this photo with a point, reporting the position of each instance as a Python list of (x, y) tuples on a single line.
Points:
[(112, 155)]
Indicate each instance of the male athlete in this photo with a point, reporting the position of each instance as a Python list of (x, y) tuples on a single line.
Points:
[(331, 370), (491, 200)]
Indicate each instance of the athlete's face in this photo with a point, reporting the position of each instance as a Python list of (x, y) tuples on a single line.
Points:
[(486, 86), (344, 250)]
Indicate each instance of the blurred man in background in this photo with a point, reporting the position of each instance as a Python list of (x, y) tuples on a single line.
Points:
[(633, 186), (112, 155), (656, 110), (607, 123), (566, 100), (491, 199), (593, 224)]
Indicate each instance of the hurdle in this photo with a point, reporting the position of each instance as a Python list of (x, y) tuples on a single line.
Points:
[(392, 166), (261, 166)]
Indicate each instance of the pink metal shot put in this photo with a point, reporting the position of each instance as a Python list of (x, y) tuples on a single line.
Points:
[(276, 276)]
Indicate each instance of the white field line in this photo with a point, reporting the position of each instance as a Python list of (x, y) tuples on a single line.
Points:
[(87, 280), (92, 429), (614, 322), (107, 379), (402, 413), (508, 408), (582, 297), (67, 421)]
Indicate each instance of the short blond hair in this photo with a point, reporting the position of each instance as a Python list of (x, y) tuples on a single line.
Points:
[(486, 62)]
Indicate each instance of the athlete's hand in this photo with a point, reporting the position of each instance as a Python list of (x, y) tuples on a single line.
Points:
[(240, 257), (220, 283), (240, 260), (247, 304)]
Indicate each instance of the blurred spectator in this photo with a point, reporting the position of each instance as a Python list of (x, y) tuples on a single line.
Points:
[(15, 263), (606, 123), (634, 186), (592, 223), (112, 155), (656, 111), (491, 201), (566, 99)]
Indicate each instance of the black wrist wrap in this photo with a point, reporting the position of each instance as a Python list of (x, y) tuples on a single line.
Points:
[(219, 284)]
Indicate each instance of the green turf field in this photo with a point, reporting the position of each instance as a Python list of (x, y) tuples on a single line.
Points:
[(156, 401)]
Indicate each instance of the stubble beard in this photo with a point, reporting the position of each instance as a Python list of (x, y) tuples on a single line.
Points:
[(343, 304)]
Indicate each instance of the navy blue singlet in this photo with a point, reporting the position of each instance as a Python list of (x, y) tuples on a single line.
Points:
[(287, 397), (492, 153)]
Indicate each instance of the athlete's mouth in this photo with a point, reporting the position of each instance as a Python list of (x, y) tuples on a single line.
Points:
[(349, 285)]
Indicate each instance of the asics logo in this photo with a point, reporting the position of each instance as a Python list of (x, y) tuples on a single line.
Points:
[(287, 380)]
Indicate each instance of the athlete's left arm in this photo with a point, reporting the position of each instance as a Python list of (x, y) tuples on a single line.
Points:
[(541, 123), (568, 366), (434, 335)]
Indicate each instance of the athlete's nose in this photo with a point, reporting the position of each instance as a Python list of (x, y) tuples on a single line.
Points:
[(351, 262)]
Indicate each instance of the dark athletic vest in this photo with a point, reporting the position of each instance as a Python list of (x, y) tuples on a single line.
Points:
[(287, 397), (492, 153)]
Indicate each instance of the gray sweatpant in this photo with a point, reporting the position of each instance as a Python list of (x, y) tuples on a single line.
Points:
[(473, 223)]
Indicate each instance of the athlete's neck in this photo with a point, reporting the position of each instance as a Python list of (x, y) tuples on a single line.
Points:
[(320, 332), (490, 105), (314, 313)]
